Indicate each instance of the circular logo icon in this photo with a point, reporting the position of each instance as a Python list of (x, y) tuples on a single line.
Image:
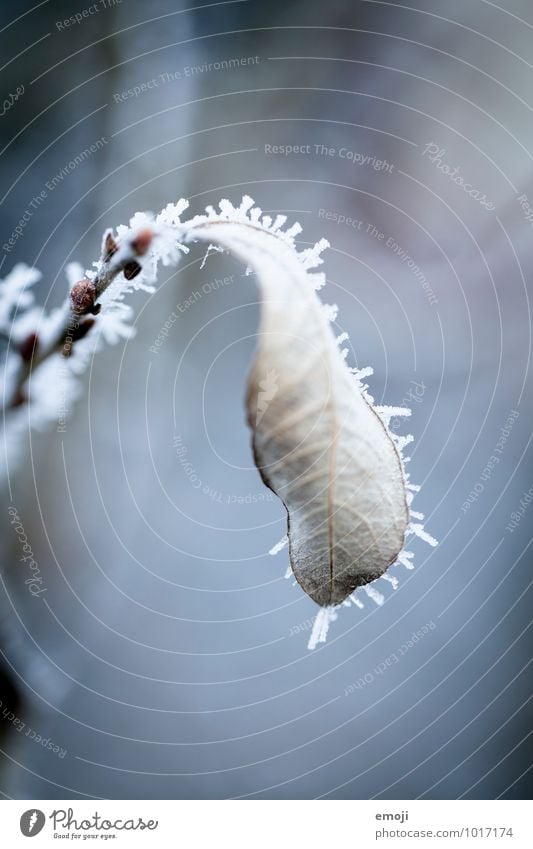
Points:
[(32, 822)]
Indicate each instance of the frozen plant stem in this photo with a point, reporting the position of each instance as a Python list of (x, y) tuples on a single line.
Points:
[(319, 441), (79, 306)]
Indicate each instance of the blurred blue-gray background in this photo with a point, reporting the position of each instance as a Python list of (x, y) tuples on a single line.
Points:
[(168, 657)]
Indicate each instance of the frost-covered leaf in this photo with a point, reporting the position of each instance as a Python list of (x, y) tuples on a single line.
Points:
[(318, 442)]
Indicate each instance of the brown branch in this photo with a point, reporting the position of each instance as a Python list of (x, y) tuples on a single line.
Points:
[(80, 306)]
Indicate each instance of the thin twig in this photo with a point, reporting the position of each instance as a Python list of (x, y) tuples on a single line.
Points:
[(80, 304)]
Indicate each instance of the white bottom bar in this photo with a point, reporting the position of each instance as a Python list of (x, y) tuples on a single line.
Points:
[(268, 824)]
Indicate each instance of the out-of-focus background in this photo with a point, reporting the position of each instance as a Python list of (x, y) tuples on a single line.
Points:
[(168, 657)]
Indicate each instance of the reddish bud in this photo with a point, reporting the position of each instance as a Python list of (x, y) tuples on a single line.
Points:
[(82, 296), (19, 398), (28, 347), (110, 247), (142, 242), (131, 270)]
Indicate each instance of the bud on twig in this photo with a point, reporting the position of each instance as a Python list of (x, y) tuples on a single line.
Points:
[(19, 398), (82, 301), (110, 247), (82, 296), (142, 241), (28, 347), (131, 270)]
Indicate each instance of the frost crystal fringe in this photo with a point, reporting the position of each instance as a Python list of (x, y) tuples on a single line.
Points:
[(44, 354), (319, 633)]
